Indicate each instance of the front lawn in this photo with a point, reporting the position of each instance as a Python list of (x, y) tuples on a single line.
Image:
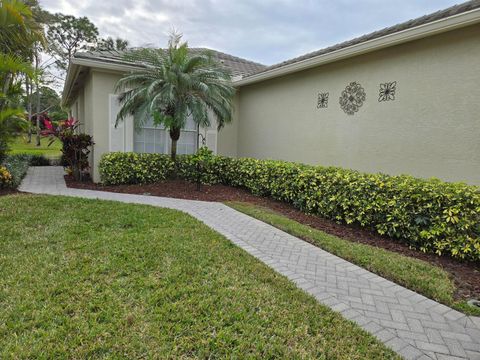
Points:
[(20, 146), (87, 278)]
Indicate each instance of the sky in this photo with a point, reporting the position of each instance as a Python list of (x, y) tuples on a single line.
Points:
[(266, 31)]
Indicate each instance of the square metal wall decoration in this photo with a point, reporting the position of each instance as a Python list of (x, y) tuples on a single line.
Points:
[(322, 101), (387, 91)]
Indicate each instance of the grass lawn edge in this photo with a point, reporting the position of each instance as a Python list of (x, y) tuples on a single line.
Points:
[(414, 274)]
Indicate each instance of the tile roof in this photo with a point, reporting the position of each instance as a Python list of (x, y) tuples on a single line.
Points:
[(237, 66), (453, 10)]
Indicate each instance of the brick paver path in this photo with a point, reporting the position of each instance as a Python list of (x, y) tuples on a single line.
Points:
[(410, 324)]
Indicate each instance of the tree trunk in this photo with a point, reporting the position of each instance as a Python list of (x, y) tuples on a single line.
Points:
[(28, 86), (37, 60), (38, 117), (174, 135)]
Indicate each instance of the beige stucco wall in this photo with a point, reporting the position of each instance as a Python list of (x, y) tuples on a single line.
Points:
[(431, 129), (103, 84), (91, 108), (227, 139)]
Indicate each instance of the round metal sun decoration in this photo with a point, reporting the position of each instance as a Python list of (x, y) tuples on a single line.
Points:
[(352, 98)]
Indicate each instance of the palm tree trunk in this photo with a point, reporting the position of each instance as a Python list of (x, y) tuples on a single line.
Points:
[(174, 135), (173, 150)]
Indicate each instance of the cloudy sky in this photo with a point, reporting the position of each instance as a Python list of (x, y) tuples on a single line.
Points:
[(267, 31)]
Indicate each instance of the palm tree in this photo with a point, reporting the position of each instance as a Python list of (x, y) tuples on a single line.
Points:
[(19, 28), (19, 31), (173, 84)]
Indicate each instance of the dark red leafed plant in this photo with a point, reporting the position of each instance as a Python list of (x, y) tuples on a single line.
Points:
[(75, 148)]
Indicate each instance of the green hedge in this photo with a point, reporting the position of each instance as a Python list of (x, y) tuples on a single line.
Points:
[(17, 165), (430, 215), (39, 160), (132, 168)]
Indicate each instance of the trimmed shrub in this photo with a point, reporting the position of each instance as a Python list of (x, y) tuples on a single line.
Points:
[(203, 167), (133, 168), (429, 215), (17, 165), (39, 160)]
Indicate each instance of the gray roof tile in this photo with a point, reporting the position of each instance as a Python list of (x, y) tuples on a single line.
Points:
[(453, 10), (237, 66)]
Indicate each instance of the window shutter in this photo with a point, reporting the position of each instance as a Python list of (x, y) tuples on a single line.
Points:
[(212, 140), (117, 134)]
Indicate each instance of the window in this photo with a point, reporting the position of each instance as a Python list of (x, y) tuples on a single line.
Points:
[(155, 139)]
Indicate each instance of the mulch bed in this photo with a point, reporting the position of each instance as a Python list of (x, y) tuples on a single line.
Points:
[(4, 192), (465, 274)]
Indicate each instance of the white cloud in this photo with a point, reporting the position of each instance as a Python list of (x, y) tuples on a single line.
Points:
[(267, 31)]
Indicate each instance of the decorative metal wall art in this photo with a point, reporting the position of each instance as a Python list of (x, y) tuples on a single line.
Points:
[(352, 98), (387, 91), (322, 100)]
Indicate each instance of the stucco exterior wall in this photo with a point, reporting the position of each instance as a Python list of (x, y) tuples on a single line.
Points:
[(103, 84), (227, 139), (431, 129)]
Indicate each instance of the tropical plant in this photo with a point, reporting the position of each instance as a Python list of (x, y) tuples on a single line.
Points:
[(75, 150), (19, 34), (173, 84), (18, 28)]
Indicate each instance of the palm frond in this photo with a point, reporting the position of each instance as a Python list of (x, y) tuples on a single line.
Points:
[(175, 84)]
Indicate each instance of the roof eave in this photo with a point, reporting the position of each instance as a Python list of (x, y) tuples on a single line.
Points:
[(72, 73), (415, 33), (77, 63)]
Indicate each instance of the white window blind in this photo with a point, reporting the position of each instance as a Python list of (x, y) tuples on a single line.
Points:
[(155, 139)]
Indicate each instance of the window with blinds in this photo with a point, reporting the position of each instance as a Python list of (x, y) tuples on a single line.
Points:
[(155, 139)]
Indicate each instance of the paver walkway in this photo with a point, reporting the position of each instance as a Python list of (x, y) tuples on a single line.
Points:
[(410, 324)]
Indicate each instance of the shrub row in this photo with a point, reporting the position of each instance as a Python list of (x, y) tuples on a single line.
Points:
[(133, 168), (17, 166), (430, 215)]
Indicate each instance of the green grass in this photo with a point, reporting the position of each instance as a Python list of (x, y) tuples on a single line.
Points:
[(415, 274), (94, 279), (20, 146)]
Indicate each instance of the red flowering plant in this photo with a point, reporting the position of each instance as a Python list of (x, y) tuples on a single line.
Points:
[(76, 147)]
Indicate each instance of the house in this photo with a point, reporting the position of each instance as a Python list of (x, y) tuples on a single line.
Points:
[(404, 99)]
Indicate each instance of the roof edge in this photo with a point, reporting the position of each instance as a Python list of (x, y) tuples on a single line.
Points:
[(422, 31), (77, 63)]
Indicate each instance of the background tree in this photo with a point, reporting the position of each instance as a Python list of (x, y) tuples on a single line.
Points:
[(49, 99), (175, 84), (19, 32), (68, 34), (112, 44)]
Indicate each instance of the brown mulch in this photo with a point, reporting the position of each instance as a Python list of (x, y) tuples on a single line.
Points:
[(4, 192), (465, 274)]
